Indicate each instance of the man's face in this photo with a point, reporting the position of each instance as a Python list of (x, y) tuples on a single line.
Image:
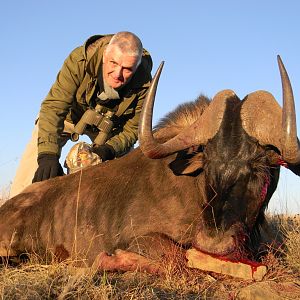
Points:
[(118, 68)]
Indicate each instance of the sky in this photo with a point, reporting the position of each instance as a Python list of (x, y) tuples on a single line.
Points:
[(207, 46)]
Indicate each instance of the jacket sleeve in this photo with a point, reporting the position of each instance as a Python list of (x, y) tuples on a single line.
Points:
[(128, 134), (58, 102)]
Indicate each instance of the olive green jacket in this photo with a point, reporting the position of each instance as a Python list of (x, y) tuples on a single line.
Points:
[(73, 93)]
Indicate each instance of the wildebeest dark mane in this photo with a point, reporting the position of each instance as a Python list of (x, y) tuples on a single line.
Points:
[(182, 116)]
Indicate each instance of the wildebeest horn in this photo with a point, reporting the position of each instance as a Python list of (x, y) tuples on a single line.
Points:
[(263, 119), (196, 134), (290, 146)]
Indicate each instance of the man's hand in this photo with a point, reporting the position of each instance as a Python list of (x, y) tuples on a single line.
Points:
[(105, 152), (49, 167)]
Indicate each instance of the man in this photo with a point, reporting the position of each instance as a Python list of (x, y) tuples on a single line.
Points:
[(112, 72)]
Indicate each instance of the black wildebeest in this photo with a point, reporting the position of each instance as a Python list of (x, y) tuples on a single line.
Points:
[(203, 178)]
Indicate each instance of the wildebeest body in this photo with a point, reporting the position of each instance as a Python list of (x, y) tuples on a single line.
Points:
[(110, 215)]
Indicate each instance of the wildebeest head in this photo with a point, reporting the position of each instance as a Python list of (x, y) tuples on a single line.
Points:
[(237, 146)]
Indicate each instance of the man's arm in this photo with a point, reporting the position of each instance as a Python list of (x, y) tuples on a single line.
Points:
[(53, 112)]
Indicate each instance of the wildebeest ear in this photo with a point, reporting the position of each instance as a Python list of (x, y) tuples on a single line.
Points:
[(187, 164)]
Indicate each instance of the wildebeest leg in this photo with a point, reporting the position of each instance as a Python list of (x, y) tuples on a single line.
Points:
[(123, 260), (146, 254)]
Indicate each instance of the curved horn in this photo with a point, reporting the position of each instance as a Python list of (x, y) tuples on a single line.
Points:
[(263, 119), (196, 134), (146, 139), (290, 147)]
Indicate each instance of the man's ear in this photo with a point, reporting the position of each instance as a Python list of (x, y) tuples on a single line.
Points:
[(187, 164)]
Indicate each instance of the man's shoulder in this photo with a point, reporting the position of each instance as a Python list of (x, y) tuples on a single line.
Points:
[(147, 63), (88, 48), (95, 42)]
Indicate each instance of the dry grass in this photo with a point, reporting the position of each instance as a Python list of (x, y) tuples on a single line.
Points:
[(292, 231), (4, 194), (36, 280)]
